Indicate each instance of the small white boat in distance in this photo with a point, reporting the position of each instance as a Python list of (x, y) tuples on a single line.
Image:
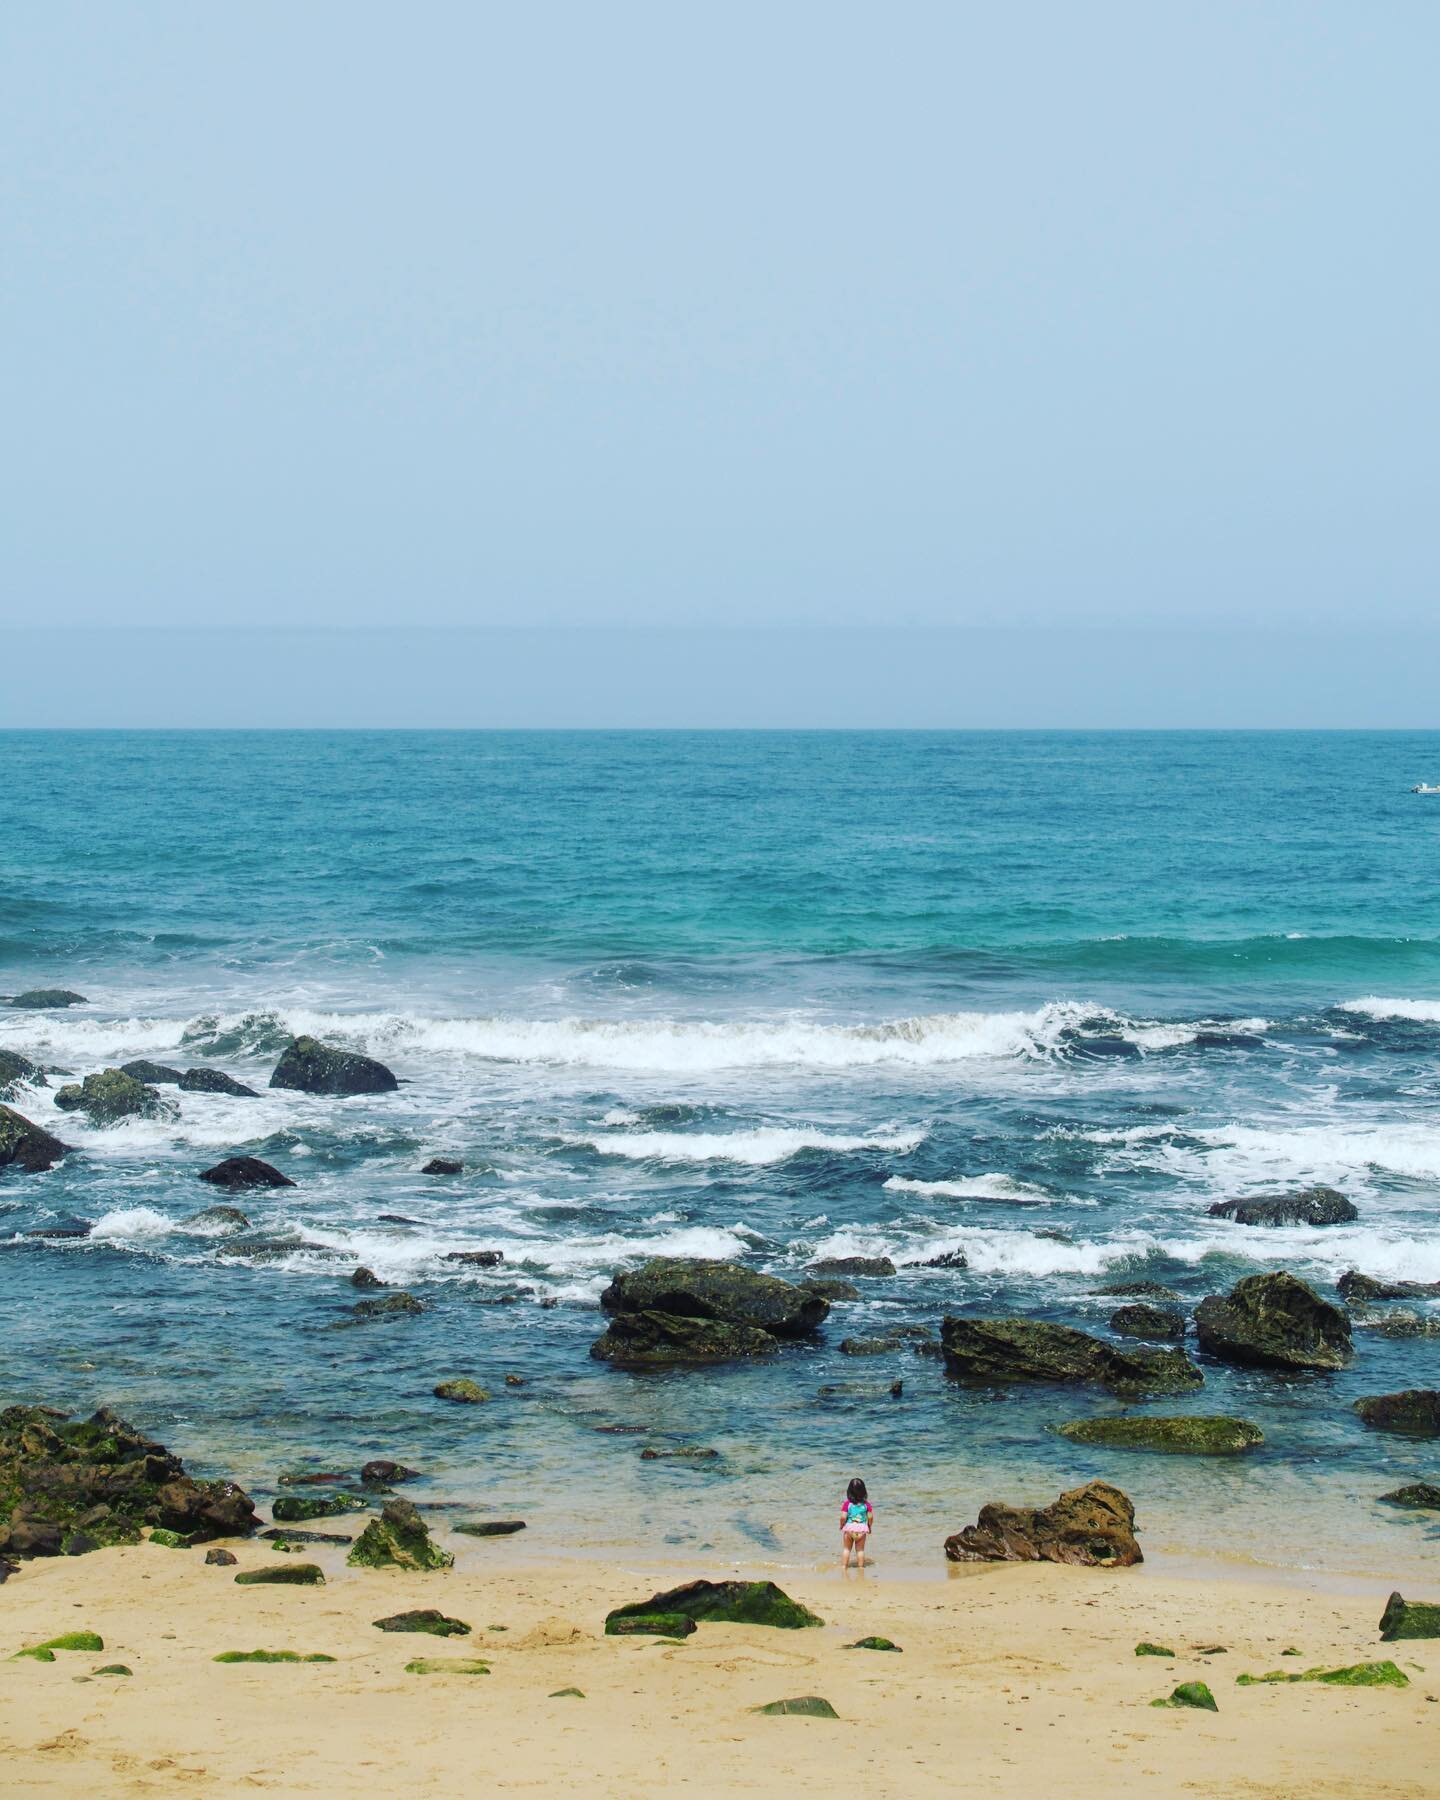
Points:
[(1425, 787)]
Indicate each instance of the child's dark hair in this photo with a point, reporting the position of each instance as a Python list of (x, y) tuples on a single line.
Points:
[(856, 1490)]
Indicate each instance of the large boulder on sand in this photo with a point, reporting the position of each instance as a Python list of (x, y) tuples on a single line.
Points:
[(690, 1310), (398, 1539), (111, 1096), (1408, 1619), (315, 1068), (1274, 1321), (988, 1350), (721, 1602), (26, 1146), (1093, 1525), (1311, 1206)]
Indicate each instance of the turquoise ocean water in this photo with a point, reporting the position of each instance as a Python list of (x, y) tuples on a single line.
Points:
[(1038, 996)]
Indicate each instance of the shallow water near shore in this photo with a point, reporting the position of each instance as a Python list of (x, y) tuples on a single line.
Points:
[(1038, 997)]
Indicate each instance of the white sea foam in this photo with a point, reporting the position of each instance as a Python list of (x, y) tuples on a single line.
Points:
[(767, 1144), (972, 1187), (1425, 1012), (131, 1225)]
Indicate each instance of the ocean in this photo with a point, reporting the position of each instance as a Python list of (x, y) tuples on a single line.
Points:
[(1040, 997)]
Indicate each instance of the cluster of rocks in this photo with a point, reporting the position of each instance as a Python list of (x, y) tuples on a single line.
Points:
[(692, 1310)]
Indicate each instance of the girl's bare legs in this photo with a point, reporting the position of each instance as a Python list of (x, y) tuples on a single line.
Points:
[(844, 1551), (860, 1548)]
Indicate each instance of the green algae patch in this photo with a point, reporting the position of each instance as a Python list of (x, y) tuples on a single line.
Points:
[(169, 1540), (724, 1602), (270, 1656), (1193, 1694), (427, 1619), (1152, 1650), (284, 1575), (90, 1641), (567, 1694), (447, 1665), (671, 1625), (113, 1669), (295, 1509), (1373, 1674), (1409, 1619), (36, 1655), (874, 1643), (398, 1539), (807, 1706), (1189, 1435)]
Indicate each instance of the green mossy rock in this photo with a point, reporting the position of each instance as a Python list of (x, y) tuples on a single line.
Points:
[(659, 1339), (113, 1669), (1183, 1435), (89, 1641), (111, 1096), (398, 1539), (270, 1656), (290, 1509), (214, 1081), (690, 1453), (1419, 1496), (808, 1706), (1141, 1320), (1414, 1412), (728, 1602), (391, 1306), (874, 1643), (447, 1665), (656, 1624), (310, 1067), (567, 1694), (426, 1619), (698, 1288), (1003, 1350), (1152, 1650), (36, 1655), (1373, 1674), (169, 1540), (462, 1390), (1408, 1619), (283, 1575), (25, 1146), (486, 1528), (1274, 1321), (1192, 1694), (1138, 1290), (18, 1071)]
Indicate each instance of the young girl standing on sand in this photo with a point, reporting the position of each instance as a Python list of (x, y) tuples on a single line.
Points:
[(857, 1520)]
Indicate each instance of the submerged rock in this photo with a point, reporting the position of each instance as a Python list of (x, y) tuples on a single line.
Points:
[(730, 1602), (398, 1539), (677, 1310), (831, 1290), (111, 1096), (851, 1265), (427, 1619), (245, 1172), (100, 1478), (686, 1453), (1186, 1435), (46, 999), (1274, 1321), (1419, 1496), (1403, 1322), (315, 1068), (18, 1071), (443, 1165), (1408, 1619), (214, 1081), (462, 1390), (270, 1656), (874, 1643), (217, 1219), (26, 1146), (1311, 1206), (153, 1074), (1414, 1411), (873, 1346), (381, 1472), (1031, 1350), (1352, 1285), (638, 1340), (1092, 1525), (393, 1306), (1138, 1290), (1142, 1321), (485, 1528)]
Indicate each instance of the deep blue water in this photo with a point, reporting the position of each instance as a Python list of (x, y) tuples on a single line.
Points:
[(1039, 996)]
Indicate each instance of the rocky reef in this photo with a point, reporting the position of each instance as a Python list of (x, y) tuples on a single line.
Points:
[(991, 1350), (1186, 1435)]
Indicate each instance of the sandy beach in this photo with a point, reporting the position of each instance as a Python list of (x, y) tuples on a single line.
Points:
[(1013, 1680)]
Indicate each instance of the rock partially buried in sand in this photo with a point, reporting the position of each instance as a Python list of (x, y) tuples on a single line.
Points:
[(311, 1067), (245, 1172), (484, 1528), (1274, 1321), (294, 1509), (301, 1574), (1159, 1323), (46, 1000), (1372, 1674), (1408, 1619), (221, 1559), (1311, 1206), (873, 1643), (851, 1265), (1414, 1411), (1186, 1435), (1419, 1496), (1192, 1694), (214, 1081), (987, 1350), (656, 1624), (426, 1618), (567, 1694), (113, 1669), (730, 1602), (270, 1656), (89, 1641), (1093, 1526), (113, 1096), (26, 1146), (398, 1539), (1144, 1649), (447, 1665), (461, 1390), (808, 1706)]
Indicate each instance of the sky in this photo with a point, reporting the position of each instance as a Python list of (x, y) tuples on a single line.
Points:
[(1115, 316)]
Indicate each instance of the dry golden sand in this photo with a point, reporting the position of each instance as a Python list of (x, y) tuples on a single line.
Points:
[(1013, 1681)]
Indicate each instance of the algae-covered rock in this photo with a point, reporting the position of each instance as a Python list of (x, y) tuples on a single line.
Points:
[(214, 1081), (366, 1279), (851, 1265), (101, 1480), (1353, 1286), (113, 1669), (829, 1289), (571, 1693), (89, 1641), (270, 1656), (1311, 1206), (808, 1706), (1192, 1694), (380, 1471), (1184, 1435), (153, 1074), (46, 1000), (427, 1619), (698, 1288), (217, 1221), (1138, 1290), (649, 1624), (1419, 1496), (1092, 1525), (1145, 1649), (237, 1172), (301, 1574), (1140, 1320), (485, 1528), (873, 1643), (391, 1306), (315, 1068), (1274, 1321), (1413, 1411), (461, 1390), (1409, 1619), (291, 1509), (111, 1096), (870, 1346), (661, 1339), (990, 1350), (398, 1539), (25, 1146), (18, 1071), (286, 1537), (447, 1665), (1372, 1674), (169, 1540), (727, 1602), (476, 1259), (683, 1453)]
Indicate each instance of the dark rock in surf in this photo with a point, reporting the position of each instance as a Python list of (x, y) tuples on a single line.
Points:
[(443, 1165), (366, 1278), (381, 1472), (1274, 1321), (851, 1265), (1311, 1206), (947, 1259), (245, 1172), (214, 1081), (475, 1259), (218, 1220), (393, 1306), (831, 1290), (1138, 1290), (311, 1067), (1415, 1412), (112, 1096), (46, 999), (989, 1350), (1093, 1526), (26, 1146), (651, 1339), (71, 1228), (1353, 1286), (1155, 1322), (698, 1288), (1419, 1496), (153, 1074), (18, 1071)]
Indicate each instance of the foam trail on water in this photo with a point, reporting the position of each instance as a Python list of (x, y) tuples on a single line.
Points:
[(974, 1187), (768, 1144)]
